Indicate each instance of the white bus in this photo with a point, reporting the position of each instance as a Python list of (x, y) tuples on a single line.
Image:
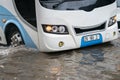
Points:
[(57, 25)]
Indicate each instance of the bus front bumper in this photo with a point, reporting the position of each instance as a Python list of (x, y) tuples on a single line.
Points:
[(53, 43)]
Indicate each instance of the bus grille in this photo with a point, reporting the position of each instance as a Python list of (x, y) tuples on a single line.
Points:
[(79, 30)]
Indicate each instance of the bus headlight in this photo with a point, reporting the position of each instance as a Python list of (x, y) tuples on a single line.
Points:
[(112, 21), (62, 29), (55, 29)]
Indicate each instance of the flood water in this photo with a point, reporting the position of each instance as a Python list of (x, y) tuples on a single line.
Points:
[(100, 62)]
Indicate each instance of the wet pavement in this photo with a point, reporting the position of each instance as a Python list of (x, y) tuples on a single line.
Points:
[(100, 62)]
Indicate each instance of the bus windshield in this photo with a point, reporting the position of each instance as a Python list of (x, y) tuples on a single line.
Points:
[(86, 5)]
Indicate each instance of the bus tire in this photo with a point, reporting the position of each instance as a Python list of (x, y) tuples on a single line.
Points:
[(14, 37)]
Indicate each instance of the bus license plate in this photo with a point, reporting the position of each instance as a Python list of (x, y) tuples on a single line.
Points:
[(91, 37)]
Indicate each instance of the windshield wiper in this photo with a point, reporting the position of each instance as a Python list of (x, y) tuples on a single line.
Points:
[(49, 1), (61, 2)]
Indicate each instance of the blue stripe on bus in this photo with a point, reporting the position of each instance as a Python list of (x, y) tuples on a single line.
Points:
[(93, 42), (5, 14)]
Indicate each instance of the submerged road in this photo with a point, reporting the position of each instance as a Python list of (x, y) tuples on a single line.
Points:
[(100, 62)]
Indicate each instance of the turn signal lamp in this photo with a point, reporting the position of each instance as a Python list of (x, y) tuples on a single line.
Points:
[(48, 28)]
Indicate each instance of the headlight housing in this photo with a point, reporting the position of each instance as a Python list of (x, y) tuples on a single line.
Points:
[(55, 29), (112, 21)]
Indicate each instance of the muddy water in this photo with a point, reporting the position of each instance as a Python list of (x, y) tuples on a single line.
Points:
[(100, 62)]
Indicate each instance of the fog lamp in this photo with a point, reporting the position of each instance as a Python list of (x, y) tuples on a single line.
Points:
[(114, 33), (61, 44)]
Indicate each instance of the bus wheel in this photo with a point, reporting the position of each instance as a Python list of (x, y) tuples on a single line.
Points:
[(14, 38)]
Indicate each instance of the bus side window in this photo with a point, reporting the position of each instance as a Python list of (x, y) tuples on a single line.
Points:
[(26, 8)]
